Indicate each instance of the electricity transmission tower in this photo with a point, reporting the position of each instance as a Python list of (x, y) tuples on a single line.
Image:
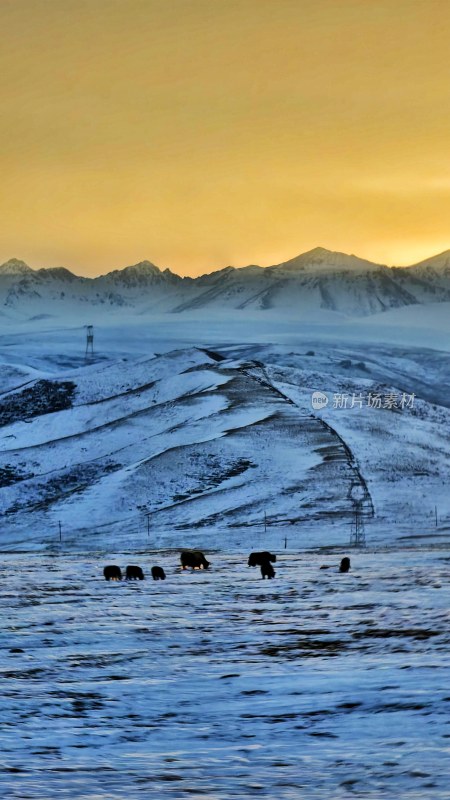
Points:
[(358, 534), (89, 341)]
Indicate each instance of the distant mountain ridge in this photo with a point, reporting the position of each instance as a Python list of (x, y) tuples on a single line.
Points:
[(318, 279)]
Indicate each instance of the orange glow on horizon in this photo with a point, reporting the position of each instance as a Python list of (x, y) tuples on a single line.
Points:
[(198, 135)]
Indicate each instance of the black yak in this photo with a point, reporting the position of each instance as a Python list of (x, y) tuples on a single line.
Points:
[(158, 574), (112, 573), (267, 571), (194, 559), (344, 565), (134, 573), (256, 559)]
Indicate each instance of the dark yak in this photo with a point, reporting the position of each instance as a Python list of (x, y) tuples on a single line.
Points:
[(134, 573), (194, 559), (257, 559), (158, 574), (267, 571), (344, 565), (112, 573)]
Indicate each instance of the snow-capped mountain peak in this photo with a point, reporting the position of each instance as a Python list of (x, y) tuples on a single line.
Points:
[(59, 273), (327, 260), (440, 261), (15, 267), (142, 274), (142, 266)]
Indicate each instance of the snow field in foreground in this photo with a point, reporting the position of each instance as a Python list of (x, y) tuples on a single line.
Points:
[(217, 684)]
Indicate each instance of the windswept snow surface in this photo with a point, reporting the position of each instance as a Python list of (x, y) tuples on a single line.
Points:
[(217, 684)]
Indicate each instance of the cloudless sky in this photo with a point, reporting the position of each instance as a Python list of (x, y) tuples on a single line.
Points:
[(201, 133)]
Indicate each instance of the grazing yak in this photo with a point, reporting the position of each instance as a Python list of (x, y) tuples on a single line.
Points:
[(134, 573), (158, 574), (267, 571), (194, 559), (344, 565), (257, 559), (112, 573)]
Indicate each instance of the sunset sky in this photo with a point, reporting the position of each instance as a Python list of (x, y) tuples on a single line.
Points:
[(202, 133)]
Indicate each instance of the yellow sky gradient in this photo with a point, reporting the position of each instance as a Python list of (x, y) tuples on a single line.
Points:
[(201, 133)]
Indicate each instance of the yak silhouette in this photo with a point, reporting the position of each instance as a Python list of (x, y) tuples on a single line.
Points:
[(112, 573), (256, 559), (134, 573), (158, 574), (194, 559)]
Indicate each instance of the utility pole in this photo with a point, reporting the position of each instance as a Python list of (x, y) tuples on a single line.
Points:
[(60, 531)]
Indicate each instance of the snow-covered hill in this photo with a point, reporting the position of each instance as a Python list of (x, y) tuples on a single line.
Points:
[(315, 281), (220, 443)]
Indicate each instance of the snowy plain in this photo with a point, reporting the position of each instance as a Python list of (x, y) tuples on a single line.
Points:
[(216, 684)]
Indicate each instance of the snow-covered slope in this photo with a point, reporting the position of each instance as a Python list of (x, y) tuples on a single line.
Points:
[(319, 279), (213, 444), (434, 275), (315, 281)]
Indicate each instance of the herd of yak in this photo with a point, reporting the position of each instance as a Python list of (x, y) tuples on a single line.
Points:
[(196, 560)]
